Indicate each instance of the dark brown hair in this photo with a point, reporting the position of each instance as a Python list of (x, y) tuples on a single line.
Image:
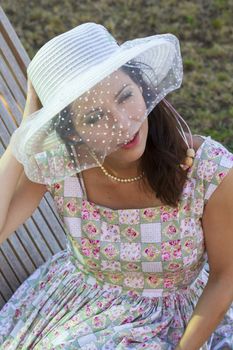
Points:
[(165, 148), (164, 151)]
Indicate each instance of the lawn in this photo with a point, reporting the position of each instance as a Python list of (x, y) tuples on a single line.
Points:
[(204, 29)]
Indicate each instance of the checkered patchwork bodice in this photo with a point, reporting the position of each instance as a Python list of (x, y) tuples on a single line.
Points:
[(150, 250)]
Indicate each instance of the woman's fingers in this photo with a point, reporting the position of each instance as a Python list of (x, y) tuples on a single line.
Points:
[(32, 101)]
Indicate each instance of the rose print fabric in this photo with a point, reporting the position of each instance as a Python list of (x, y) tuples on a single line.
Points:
[(128, 279)]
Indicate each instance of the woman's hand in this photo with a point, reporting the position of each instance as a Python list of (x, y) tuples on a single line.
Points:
[(32, 102)]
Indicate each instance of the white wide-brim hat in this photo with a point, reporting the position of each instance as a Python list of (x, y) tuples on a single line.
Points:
[(69, 65)]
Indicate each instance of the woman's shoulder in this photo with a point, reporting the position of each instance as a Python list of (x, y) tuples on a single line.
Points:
[(210, 151), (213, 163)]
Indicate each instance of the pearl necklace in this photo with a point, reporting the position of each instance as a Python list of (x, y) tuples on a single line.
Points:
[(190, 153), (117, 178)]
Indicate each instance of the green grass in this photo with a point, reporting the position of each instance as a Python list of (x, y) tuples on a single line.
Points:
[(203, 27)]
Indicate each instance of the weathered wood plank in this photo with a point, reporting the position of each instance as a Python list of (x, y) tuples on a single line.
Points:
[(53, 220), (45, 231), (11, 37), (23, 258), (12, 104), (37, 238), (6, 291), (2, 149), (29, 246), (7, 272), (7, 119), (11, 82), (12, 260), (2, 301), (18, 72), (4, 135)]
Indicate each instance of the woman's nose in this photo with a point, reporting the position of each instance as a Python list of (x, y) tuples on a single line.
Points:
[(122, 120)]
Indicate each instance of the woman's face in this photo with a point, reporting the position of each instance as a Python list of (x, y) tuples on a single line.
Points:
[(108, 116)]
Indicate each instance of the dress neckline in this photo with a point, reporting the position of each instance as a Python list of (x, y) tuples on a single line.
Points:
[(154, 209)]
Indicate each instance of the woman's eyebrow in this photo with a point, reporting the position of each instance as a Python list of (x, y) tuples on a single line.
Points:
[(117, 94), (121, 90)]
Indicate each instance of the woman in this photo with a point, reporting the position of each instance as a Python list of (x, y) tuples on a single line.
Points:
[(141, 208)]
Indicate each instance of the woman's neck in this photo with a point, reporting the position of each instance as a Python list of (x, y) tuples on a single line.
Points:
[(122, 169)]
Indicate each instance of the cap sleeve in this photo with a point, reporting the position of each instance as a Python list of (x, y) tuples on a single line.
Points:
[(214, 164)]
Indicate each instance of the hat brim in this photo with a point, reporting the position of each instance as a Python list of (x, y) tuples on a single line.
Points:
[(79, 85)]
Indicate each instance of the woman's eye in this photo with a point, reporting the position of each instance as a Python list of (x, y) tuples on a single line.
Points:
[(124, 97), (95, 118)]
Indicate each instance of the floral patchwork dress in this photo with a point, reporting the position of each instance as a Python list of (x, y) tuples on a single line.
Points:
[(128, 279)]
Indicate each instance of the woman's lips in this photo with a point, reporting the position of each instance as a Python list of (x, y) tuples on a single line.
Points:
[(133, 142), (123, 143)]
